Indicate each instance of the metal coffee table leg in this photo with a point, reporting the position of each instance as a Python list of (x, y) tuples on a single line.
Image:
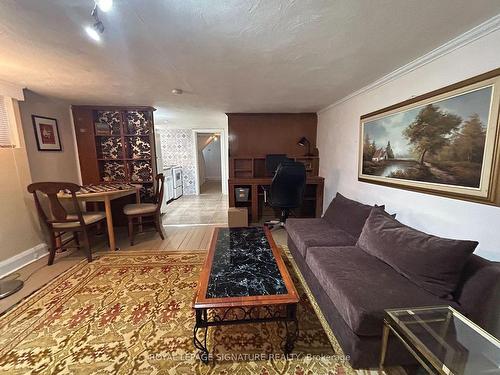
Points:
[(201, 323), (292, 328)]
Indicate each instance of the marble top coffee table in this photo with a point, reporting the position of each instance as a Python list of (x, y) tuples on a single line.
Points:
[(244, 280)]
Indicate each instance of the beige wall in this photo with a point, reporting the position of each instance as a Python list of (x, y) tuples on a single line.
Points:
[(49, 165), (19, 225), (338, 142), (19, 229)]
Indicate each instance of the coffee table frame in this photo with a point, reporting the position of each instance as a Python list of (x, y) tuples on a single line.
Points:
[(250, 308)]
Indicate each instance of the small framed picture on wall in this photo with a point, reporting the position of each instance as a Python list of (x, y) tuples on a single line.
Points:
[(46, 133)]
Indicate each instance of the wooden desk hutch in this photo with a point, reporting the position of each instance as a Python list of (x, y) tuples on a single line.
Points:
[(250, 172), (252, 136)]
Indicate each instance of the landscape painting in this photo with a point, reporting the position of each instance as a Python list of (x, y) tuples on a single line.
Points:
[(444, 144)]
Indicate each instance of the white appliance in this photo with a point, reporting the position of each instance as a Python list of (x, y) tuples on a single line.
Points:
[(169, 183), (168, 190), (159, 158), (177, 175)]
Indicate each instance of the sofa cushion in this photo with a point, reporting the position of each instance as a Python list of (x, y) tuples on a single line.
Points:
[(433, 263), (316, 232), (347, 214), (361, 286)]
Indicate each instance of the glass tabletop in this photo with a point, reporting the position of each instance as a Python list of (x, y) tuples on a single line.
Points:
[(448, 340), (244, 265)]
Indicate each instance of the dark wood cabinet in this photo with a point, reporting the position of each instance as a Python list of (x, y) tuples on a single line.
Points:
[(255, 166), (254, 135), (116, 144)]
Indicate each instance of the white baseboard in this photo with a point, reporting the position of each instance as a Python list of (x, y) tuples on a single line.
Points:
[(20, 260)]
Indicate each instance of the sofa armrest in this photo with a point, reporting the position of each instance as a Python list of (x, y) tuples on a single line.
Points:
[(479, 293)]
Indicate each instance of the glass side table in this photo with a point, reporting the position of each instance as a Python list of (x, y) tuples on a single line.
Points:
[(443, 341)]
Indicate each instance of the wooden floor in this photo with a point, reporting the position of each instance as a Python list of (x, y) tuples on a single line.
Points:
[(176, 238), (37, 274)]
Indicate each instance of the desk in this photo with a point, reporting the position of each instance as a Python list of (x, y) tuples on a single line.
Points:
[(255, 182), (107, 197)]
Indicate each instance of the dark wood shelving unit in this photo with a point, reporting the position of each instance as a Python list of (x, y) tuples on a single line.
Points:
[(250, 172), (117, 156), (247, 167)]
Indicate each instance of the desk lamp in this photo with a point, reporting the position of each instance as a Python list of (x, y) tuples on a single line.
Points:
[(302, 142)]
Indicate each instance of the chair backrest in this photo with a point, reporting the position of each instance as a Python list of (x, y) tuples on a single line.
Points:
[(273, 161), (57, 213), (288, 185), (160, 184)]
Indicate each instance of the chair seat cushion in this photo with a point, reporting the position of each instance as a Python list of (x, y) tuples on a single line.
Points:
[(317, 232), (361, 286), (88, 217), (139, 208)]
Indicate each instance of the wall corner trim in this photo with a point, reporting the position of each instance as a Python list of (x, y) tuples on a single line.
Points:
[(478, 32), (11, 90), (22, 259)]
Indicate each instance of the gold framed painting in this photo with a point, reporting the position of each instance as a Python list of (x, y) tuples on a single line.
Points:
[(445, 142)]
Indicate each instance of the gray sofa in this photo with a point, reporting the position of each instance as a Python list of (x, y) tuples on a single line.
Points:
[(355, 271)]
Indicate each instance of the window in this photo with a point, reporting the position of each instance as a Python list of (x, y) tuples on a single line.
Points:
[(6, 138)]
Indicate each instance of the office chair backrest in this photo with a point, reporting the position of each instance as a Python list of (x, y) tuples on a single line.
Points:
[(288, 185), (273, 161)]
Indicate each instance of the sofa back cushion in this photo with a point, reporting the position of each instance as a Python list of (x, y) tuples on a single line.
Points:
[(347, 214), (432, 262)]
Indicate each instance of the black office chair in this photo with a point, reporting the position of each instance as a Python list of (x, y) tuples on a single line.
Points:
[(286, 191), (273, 161)]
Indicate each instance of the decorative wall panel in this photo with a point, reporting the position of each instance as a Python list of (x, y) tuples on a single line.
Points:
[(138, 122), (177, 148), (139, 148), (111, 147), (141, 171), (113, 171), (112, 118)]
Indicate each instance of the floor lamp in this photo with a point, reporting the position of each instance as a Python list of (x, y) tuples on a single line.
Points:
[(8, 287)]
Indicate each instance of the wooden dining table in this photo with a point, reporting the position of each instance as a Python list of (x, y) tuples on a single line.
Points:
[(106, 197)]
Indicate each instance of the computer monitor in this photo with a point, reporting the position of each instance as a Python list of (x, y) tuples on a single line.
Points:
[(273, 161)]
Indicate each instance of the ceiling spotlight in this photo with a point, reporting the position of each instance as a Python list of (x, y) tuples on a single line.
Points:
[(104, 5), (177, 91), (93, 33)]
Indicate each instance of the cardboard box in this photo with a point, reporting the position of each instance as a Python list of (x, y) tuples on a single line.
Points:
[(237, 217)]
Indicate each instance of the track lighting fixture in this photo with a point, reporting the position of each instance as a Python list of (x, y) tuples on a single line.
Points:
[(104, 5), (97, 28)]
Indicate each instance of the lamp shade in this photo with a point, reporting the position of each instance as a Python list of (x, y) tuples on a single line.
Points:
[(303, 141)]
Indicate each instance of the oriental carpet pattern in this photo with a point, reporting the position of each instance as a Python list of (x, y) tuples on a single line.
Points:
[(130, 313)]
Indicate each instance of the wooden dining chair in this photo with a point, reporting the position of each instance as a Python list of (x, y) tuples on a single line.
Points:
[(149, 211), (59, 222)]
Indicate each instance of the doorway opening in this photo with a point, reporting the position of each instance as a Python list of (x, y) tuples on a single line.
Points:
[(209, 150)]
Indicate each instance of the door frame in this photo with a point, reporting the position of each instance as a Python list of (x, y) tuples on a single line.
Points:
[(224, 160)]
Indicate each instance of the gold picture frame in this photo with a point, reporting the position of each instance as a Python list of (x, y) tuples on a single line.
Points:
[(445, 142)]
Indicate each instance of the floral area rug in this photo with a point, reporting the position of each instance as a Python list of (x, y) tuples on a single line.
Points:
[(130, 313)]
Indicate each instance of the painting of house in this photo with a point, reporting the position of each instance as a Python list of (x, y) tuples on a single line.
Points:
[(443, 143), (380, 154)]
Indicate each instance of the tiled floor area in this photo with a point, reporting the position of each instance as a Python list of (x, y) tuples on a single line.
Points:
[(210, 207)]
